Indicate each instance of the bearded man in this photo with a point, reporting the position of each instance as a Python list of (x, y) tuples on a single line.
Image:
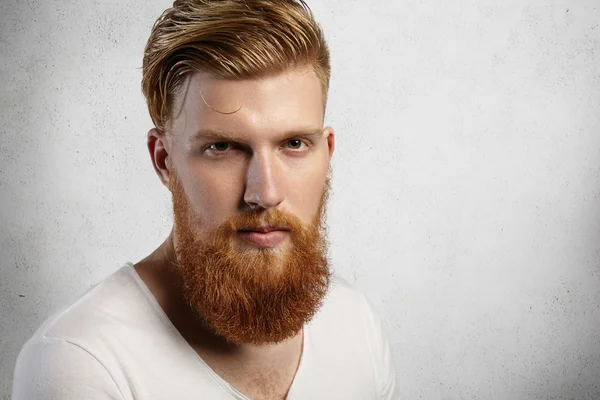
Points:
[(239, 302)]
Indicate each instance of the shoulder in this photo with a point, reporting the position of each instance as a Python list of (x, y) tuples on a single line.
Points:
[(347, 305), (346, 321), (49, 368), (346, 313), (71, 347), (102, 307)]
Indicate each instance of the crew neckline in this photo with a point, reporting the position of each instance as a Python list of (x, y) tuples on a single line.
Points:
[(129, 268)]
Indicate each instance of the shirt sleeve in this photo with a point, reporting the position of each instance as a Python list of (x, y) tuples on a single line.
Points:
[(52, 368)]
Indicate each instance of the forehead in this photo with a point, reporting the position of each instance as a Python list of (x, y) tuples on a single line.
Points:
[(289, 101)]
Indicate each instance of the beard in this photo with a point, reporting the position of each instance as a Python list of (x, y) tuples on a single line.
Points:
[(251, 295)]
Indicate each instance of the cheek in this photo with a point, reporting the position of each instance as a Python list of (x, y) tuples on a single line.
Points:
[(215, 194), (307, 191)]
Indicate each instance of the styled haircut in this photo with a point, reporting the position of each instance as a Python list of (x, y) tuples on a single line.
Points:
[(230, 39)]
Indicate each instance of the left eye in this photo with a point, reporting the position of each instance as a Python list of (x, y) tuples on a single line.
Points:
[(220, 146), (295, 144)]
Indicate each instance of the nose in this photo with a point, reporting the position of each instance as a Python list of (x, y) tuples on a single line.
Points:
[(263, 188)]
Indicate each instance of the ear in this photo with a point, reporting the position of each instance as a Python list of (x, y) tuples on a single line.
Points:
[(330, 137), (157, 147)]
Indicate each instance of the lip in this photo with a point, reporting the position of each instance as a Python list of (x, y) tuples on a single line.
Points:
[(264, 237), (264, 229)]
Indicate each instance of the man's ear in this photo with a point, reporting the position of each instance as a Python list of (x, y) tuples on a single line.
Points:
[(330, 136), (157, 147)]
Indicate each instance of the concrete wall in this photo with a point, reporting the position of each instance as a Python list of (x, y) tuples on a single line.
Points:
[(466, 179)]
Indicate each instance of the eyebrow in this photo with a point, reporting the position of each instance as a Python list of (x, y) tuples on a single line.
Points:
[(211, 134)]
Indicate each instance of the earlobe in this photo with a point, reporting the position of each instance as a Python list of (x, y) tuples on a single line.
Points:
[(159, 155)]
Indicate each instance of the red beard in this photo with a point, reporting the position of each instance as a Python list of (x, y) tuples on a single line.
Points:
[(252, 295)]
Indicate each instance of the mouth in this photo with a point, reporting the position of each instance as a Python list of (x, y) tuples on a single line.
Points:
[(264, 229), (263, 237)]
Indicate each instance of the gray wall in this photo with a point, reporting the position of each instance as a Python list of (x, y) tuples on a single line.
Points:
[(466, 179)]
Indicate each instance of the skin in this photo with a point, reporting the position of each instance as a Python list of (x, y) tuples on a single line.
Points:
[(275, 155)]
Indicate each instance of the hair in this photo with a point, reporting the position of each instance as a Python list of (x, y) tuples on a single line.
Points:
[(231, 39)]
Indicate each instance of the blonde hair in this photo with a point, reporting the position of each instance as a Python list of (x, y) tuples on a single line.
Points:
[(232, 39)]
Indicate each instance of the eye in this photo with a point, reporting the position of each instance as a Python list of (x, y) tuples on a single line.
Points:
[(221, 149), (220, 146), (295, 144)]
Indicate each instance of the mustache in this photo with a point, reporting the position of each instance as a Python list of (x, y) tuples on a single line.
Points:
[(255, 220)]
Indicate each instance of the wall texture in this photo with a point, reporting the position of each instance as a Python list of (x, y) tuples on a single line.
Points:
[(466, 179)]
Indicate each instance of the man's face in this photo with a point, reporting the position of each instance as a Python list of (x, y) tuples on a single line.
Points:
[(249, 162), (274, 153)]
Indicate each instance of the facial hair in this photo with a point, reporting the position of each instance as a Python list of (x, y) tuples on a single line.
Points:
[(251, 295)]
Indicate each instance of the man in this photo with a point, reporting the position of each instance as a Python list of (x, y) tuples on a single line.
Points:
[(239, 301)]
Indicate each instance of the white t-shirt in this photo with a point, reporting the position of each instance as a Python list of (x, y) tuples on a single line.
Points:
[(117, 343)]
